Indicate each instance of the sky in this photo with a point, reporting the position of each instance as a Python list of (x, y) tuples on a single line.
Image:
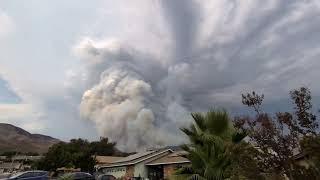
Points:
[(134, 70)]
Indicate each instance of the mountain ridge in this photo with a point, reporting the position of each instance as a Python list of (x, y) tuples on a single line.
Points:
[(13, 138)]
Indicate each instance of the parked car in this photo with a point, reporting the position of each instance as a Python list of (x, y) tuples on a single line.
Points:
[(106, 177), (30, 175), (77, 176)]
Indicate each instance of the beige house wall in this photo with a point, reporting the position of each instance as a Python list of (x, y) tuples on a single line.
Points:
[(117, 172), (140, 170)]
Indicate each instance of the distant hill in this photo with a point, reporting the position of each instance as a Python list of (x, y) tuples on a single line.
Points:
[(13, 138)]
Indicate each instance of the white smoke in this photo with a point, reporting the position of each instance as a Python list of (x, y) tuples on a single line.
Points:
[(121, 102), (190, 55), (117, 105)]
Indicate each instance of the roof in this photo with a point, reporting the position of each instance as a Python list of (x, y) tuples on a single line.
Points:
[(136, 158), (107, 159), (174, 158)]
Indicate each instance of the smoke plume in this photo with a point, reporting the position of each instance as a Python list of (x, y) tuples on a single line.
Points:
[(191, 55)]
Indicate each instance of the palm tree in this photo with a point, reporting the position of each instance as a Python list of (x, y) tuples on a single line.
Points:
[(211, 137)]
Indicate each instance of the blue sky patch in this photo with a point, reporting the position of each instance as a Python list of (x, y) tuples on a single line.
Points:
[(6, 93)]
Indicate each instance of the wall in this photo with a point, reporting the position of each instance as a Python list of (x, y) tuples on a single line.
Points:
[(130, 171), (117, 172), (169, 169), (140, 170)]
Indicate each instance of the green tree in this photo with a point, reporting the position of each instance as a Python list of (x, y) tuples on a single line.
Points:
[(103, 147), (212, 140), (10, 154), (78, 153), (310, 146)]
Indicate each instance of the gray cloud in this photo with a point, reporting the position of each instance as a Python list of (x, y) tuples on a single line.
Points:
[(6, 23), (219, 49), (183, 18), (7, 95)]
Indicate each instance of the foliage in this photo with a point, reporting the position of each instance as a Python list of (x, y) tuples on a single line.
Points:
[(212, 140), (67, 176), (32, 154), (306, 120), (10, 154), (310, 146), (78, 153), (102, 147), (277, 138), (243, 164)]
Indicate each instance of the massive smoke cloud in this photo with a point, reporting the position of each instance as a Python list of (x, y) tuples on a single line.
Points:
[(201, 54), (122, 100)]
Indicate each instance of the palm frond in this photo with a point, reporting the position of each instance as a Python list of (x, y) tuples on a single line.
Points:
[(199, 120), (217, 122), (211, 136), (187, 131)]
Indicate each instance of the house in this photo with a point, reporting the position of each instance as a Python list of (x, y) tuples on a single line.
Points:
[(16, 163), (10, 167), (165, 166), (152, 164)]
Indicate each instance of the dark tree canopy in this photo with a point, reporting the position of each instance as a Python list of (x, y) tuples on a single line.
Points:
[(307, 120), (78, 153), (103, 147)]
